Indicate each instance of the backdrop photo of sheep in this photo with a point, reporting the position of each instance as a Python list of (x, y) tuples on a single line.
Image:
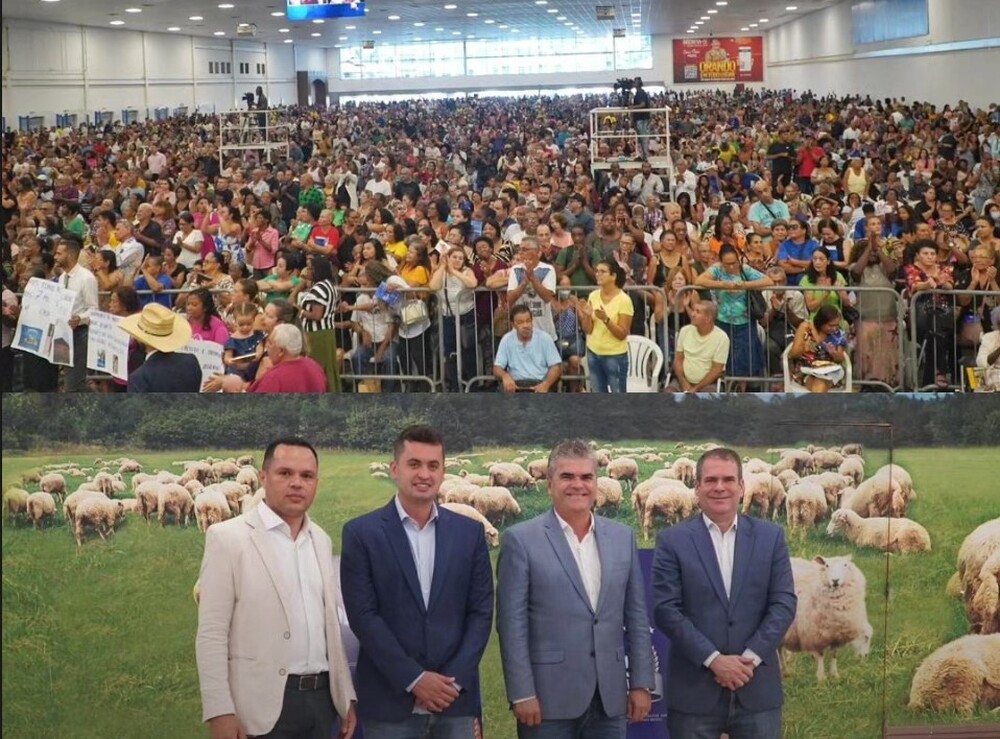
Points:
[(895, 546)]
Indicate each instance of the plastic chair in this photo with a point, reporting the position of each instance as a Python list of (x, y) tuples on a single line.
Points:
[(794, 387), (645, 360)]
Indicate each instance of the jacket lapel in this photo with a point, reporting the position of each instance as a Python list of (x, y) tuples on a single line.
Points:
[(400, 545), (741, 557), (259, 537), (556, 537), (442, 556), (703, 545)]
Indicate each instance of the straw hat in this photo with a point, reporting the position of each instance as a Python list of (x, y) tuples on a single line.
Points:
[(159, 327)]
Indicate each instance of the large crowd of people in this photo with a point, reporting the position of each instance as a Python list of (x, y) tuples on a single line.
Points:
[(396, 238)]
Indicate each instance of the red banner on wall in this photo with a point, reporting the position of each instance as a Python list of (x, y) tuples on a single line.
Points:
[(719, 59)]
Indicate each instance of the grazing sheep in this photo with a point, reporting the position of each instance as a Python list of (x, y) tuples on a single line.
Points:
[(651, 457), (603, 457), (30, 477), (129, 505), (787, 477), (105, 482), (495, 503), (644, 488), (200, 471), (211, 507), (805, 504), (875, 497), (849, 449), (538, 468), (140, 478), (377, 466), (897, 535), (975, 580), (664, 474), (755, 465), (830, 614), (249, 502), (175, 500), (53, 483), (41, 508), (15, 503), (685, 469), (826, 460), (764, 490), (674, 502), (225, 470), (380, 475), (492, 535), (471, 478), (148, 495), (960, 676), (129, 466), (248, 476), (897, 473), (192, 486), (73, 500), (99, 512), (793, 459), (983, 608), (233, 492), (461, 493), (609, 492), (625, 470), (245, 460), (510, 475), (853, 467), (832, 484)]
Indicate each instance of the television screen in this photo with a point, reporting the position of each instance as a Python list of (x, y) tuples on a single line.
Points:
[(307, 10)]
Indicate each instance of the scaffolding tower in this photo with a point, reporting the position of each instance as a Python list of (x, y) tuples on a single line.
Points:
[(614, 140), (256, 132)]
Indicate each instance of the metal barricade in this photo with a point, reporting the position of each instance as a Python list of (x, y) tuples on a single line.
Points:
[(939, 342)]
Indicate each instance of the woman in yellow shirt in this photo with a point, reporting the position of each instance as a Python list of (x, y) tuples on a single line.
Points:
[(606, 317)]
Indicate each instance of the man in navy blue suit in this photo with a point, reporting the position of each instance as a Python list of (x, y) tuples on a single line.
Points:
[(418, 590), (723, 594)]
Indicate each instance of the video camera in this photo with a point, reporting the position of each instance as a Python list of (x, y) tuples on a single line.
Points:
[(623, 88), (249, 98)]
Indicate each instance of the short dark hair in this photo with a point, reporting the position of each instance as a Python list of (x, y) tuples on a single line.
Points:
[(518, 310), (418, 433), (287, 441), (723, 453), (71, 241)]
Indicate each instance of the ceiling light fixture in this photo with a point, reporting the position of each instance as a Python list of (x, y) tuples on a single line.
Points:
[(288, 41), (753, 25), (712, 12), (226, 6), (791, 7), (690, 30), (439, 29), (133, 10), (117, 23), (317, 35), (394, 17), (196, 18), (489, 21), (473, 15), (706, 18), (376, 33), (419, 24), (219, 33), (561, 18), (284, 30), (172, 28), (339, 38), (744, 28), (763, 20), (722, 3), (450, 6), (319, 21), (278, 13), (350, 28)]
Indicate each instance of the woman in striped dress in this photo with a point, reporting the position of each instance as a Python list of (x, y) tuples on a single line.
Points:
[(319, 305)]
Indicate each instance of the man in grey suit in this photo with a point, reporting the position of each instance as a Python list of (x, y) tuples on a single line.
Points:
[(569, 591), (723, 594)]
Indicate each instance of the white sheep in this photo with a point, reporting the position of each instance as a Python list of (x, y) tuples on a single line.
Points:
[(460, 493), (15, 503), (210, 507), (538, 468), (54, 484), (609, 492), (853, 448), (29, 477), (826, 460), (225, 470), (793, 459), (74, 499), (787, 477), (685, 469), (175, 500), (755, 465), (625, 470), (897, 473), (832, 483), (853, 467), (495, 503), (99, 512), (249, 502), (975, 580), (248, 476), (983, 607), (41, 508), (674, 501), (471, 478), (128, 466), (380, 475), (141, 477), (510, 475), (105, 482), (805, 504), (875, 497), (897, 535), (245, 460), (667, 474), (492, 535), (831, 611), (603, 457), (148, 495), (765, 491), (960, 676)]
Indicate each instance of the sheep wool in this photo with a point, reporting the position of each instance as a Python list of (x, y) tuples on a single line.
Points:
[(959, 676)]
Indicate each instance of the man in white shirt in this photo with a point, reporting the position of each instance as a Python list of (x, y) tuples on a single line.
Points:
[(379, 185), (74, 276), (646, 183), (723, 594), (156, 161), (533, 283), (569, 594), (685, 180), (269, 650), (129, 254)]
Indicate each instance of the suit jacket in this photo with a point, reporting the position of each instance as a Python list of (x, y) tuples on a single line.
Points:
[(401, 637), (172, 372), (690, 606), (553, 644), (242, 625)]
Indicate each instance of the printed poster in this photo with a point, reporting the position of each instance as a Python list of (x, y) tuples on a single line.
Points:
[(107, 345), (719, 59), (43, 326), (209, 356)]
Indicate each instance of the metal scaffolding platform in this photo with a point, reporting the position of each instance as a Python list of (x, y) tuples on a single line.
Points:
[(614, 140), (255, 131)]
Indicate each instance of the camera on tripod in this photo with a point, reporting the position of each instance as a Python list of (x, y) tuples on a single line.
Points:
[(249, 98), (623, 88)]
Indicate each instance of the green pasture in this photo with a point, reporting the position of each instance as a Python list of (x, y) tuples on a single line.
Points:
[(98, 641)]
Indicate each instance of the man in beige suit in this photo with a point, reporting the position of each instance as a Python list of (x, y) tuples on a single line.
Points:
[(270, 658)]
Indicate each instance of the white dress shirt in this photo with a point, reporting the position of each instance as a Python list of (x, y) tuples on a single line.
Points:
[(725, 550), (299, 570), (83, 281), (587, 558)]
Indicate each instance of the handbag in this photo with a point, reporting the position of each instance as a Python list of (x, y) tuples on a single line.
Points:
[(850, 314), (413, 313), (756, 304)]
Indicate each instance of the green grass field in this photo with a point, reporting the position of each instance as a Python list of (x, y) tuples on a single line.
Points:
[(99, 641)]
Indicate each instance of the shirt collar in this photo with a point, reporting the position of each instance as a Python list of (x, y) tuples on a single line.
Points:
[(709, 523), (273, 521), (567, 529), (404, 516)]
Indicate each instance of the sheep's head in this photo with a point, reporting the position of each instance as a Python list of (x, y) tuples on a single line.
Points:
[(838, 523), (863, 643), (836, 570)]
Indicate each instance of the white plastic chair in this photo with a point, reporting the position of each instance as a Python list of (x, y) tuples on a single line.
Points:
[(645, 360), (794, 387)]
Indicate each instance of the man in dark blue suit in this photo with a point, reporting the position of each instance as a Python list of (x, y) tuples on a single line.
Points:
[(418, 590), (166, 369), (723, 594)]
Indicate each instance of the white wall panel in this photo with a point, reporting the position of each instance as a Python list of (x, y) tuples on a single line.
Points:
[(310, 59), (171, 96), (282, 93), (280, 61), (168, 57), (45, 49), (114, 54)]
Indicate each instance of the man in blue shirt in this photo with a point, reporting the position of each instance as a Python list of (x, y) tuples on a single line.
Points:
[(526, 359), (151, 278), (796, 251)]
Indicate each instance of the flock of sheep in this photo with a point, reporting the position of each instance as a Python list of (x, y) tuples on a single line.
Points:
[(805, 486)]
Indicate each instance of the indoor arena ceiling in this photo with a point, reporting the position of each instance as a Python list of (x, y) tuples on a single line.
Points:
[(423, 20)]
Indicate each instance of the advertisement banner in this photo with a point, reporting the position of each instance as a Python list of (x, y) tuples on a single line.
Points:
[(719, 59), (107, 345), (655, 724), (43, 326)]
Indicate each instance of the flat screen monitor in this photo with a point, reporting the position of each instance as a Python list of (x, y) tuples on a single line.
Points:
[(307, 10)]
